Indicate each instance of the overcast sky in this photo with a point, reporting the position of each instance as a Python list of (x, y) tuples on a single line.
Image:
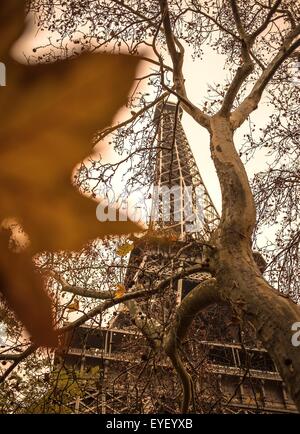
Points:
[(199, 74)]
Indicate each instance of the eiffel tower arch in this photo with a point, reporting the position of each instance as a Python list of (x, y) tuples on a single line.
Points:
[(230, 370)]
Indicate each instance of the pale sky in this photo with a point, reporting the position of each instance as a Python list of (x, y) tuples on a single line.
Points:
[(198, 75)]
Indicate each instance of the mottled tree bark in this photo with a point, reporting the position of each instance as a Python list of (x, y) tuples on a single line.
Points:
[(239, 281)]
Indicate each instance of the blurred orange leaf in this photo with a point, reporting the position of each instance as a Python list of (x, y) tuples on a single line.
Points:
[(49, 113), (23, 291)]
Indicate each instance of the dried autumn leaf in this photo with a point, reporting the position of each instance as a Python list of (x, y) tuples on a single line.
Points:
[(74, 306), (49, 113), (120, 290), (124, 249), (11, 25)]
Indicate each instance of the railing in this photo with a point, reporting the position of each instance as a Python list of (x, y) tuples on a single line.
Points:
[(240, 372), (227, 359)]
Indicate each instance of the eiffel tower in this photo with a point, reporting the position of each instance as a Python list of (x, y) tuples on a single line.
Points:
[(232, 373)]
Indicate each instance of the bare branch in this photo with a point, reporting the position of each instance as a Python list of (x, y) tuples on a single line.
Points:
[(200, 297), (177, 60), (237, 18), (251, 101), (242, 73), (216, 22), (102, 307), (265, 24), (83, 292), (110, 130), (17, 360)]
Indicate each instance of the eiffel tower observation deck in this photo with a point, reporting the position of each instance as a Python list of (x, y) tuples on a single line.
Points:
[(230, 371)]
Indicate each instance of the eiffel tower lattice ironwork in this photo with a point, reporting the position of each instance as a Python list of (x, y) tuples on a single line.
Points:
[(192, 212), (134, 376)]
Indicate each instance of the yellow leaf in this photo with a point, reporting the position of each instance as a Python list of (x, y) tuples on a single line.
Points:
[(120, 290), (74, 306), (124, 249)]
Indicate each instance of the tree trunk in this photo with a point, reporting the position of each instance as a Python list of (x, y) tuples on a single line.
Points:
[(239, 279)]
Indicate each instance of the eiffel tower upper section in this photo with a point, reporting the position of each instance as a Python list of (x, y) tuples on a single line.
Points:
[(192, 212)]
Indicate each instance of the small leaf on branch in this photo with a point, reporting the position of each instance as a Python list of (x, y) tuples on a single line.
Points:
[(120, 290), (124, 249)]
